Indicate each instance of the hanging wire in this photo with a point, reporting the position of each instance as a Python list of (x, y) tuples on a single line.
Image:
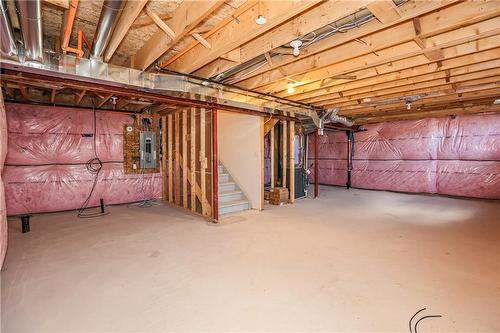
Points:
[(94, 167)]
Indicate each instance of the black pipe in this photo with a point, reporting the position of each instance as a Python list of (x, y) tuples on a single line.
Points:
[(25, 223), (102, 205), (350, 142)]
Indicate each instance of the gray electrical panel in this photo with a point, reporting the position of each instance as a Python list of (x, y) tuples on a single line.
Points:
[(148, 150)]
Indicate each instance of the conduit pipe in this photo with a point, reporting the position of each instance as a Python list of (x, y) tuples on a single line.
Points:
[(30, 20), (7, 42), (111, 11)]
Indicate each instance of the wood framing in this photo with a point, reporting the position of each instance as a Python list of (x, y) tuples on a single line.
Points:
[(177, 159), (164, 155), (192, 138), (187, 16), (184, 159), (284, 152), (170, 159)]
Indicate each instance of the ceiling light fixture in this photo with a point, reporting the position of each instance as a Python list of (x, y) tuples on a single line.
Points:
[(296, 44), (261, 20), (496, 101), (290, 88)]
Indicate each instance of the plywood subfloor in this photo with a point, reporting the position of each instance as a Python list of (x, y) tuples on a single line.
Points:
[(350, 261)]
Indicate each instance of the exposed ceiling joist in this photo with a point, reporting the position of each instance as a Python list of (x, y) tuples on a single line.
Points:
[(186, 17), (130, 12), (238, 32), (319, 16)]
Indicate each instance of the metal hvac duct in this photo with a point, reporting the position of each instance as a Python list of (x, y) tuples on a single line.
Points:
[(110, 13), (30, 19), (7, 42)]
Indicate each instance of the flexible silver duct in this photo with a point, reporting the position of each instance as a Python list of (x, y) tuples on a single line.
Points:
[(111, 11), (7, 42), (30, 19), (331, 116)]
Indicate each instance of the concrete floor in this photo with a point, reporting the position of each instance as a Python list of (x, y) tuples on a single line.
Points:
[(358, 261)]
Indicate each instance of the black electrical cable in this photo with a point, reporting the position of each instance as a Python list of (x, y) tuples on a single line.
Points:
[(424, 317), (94, 167), (416, 313)]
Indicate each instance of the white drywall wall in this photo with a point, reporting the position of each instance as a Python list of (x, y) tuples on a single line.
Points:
[(240, 151)]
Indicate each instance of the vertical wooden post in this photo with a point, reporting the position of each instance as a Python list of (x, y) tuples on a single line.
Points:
[(271, 152), (316, 164), (292, 161), (262, 163), (184, 159), (164, 158), (177, 188), (203, 165), (193, 159), (284, 153), (170, 161), (215, 168)]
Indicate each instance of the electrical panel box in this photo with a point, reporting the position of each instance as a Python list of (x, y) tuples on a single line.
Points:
[(148, 149)]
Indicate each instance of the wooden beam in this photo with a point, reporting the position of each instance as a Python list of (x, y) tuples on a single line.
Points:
[(403, 86), (80, 96), (186, 17), (61, 4), (292, 162), (389, 59), (177, 162), (159, 22), (324, 13), (192, 138), (53, 95), (369, 79), (203, 164), (233, 56), (241, 9), (215, 167), (104, 100), (408, 10), (184, 160), (164, 154), (144, 21), (236, 33), (170, 159), (437, 113), (458, 17), (384, 10), (128, 16), (201, 40)]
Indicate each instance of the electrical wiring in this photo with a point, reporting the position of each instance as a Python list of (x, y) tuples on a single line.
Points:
[(94, 167)]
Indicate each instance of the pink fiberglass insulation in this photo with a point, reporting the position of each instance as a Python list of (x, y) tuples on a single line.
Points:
[(47, 150), (454, 156), (3, 209)]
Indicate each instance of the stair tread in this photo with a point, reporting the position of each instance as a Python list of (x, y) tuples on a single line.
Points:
[(232, 203), (228, 193)]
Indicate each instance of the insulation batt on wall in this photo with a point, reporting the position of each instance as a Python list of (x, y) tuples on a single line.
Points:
[(3, 153), (47, 151), (454, 156)]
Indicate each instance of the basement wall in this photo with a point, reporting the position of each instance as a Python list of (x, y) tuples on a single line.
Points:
[(3, 209), (458, 157), (240, 151), (48, 147)]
